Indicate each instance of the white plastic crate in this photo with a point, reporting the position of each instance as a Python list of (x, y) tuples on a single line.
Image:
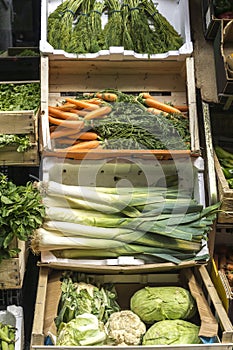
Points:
[(137, 172), (176, 12)]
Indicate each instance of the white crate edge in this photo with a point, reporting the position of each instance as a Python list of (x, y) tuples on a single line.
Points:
[(174, 11), (13, 315)]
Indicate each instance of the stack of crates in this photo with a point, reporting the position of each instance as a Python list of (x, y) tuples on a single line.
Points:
[(166, 76)]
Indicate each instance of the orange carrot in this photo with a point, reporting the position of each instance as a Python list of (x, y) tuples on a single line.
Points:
[(87, 136), (107, 96), (66, 106), (95, 100), (156, 111), (62, 132), (74, 124), (83, 104), (182, 108), (67, 141), (151, 102), (102, 111), (145, 95), (80, 112), (80, 146), (55, 112)]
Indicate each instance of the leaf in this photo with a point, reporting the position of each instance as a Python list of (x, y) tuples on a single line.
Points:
[(6, 200)]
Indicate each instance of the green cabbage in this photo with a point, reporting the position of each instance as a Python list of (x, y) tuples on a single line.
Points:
[(84, 330), (170, 332), (153, 304)]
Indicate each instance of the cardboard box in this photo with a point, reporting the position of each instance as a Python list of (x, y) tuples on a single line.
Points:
[(176, 12), (214, 321), (171, 81)]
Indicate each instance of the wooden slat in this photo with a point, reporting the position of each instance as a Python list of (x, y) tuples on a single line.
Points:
[(18, 122), (227, 335), (38, 322), (12, 270)]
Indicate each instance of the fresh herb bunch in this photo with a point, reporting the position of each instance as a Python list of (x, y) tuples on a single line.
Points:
[(16, 97), (81, 37), (22, 212), (22, 142), (130, 126), (76, 27)]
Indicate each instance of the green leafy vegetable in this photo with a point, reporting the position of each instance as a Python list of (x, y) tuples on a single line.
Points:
[(22, 142), (22, 212), (153, 304), (80, 297), (171, 332), (16, 97), (84, 330)]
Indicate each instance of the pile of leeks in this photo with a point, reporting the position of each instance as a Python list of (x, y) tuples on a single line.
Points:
[(155, 224)]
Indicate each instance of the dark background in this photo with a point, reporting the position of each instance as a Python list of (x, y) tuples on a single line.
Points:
[(26, 24)]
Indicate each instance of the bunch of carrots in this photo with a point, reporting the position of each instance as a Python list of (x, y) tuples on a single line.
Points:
[(70, 122)]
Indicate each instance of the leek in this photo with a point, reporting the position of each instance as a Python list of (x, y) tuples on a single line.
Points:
[(76, 203), (87, 194), (79, 236)]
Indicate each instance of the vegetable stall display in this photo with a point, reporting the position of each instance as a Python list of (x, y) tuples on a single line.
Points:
[(111, 119), (77, 27)]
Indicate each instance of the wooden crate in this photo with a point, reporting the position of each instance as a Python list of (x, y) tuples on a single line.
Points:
[(211, 23), (20, 122), (21, 68), (12, 270), (224, 240), (225, 194), (171, 81), (214, 320), (223, 46)]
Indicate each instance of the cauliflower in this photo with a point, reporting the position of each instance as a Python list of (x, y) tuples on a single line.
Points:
[(125, 328)]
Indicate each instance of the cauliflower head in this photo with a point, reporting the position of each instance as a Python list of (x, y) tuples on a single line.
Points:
[(125, 328)]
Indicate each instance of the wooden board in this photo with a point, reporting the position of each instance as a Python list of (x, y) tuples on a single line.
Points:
[(12, 270)]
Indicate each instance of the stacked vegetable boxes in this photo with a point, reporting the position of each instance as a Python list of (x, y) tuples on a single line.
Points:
[(167, 76), (19, 129)]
